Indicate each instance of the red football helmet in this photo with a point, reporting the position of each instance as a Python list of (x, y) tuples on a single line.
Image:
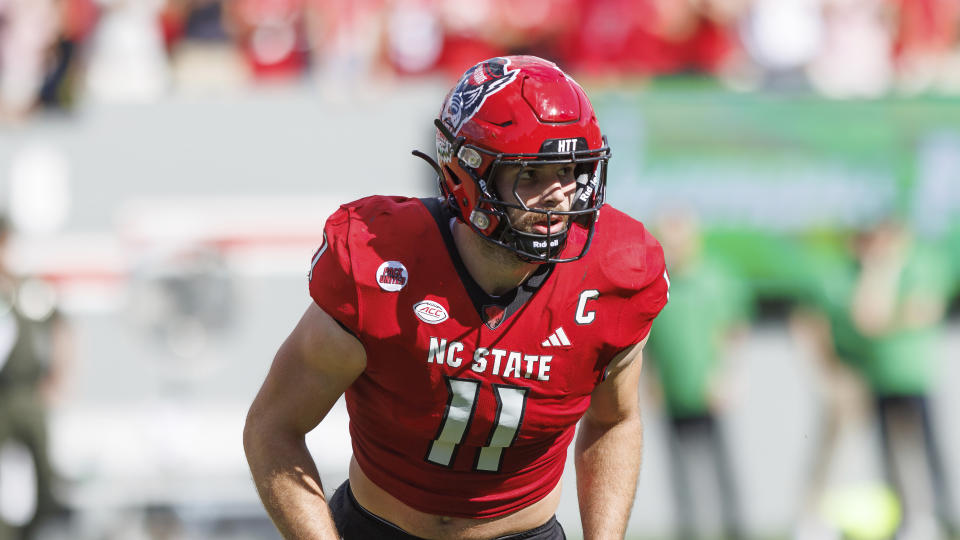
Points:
[(519, 110)]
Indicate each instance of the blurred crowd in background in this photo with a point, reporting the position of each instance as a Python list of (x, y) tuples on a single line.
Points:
[(51, 51), (844, 255)]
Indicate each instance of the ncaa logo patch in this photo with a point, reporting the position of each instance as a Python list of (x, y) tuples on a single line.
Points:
[(392, 276), (430, 312)]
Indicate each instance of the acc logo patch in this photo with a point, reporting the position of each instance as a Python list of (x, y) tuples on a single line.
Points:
[(430, 312), (392, 276)]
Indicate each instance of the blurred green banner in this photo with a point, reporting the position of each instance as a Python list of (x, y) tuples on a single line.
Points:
[(780, 180)]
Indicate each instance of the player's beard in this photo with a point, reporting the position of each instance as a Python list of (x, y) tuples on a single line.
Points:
[(520, 220), (526, 221)]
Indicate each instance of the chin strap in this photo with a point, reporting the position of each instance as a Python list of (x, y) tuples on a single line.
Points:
[(443, 189), (543, 246), (430, 160)]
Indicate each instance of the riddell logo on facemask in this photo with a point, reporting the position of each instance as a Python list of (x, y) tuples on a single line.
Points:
[(392, 276), (540, 245)]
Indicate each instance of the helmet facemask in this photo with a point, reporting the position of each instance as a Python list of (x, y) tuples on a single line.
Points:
[(493, 207)]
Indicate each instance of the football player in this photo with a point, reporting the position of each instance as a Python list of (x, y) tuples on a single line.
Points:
[(471, 333)]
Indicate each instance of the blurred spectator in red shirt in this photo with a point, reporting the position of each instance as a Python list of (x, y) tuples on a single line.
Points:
[(28, 28), (345, 38), (924, 36), (650, 37), (77, 21), (925, 25), (469, 34), (271, 35), (413, 36), (172, 20), (535, 27)]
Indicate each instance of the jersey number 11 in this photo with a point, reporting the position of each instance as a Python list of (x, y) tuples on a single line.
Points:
[(461, 406)]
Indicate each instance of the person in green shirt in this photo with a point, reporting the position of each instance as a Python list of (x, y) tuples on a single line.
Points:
[(897, 305), (687, 344), (884, 315)]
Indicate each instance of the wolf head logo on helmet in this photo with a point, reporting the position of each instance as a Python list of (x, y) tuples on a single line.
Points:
[(477, 83), (511, 110)]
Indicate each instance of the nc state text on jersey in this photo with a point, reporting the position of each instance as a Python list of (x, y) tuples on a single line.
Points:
[(515, 364)]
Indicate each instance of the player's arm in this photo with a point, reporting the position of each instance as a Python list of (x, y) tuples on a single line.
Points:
[(311, 370), (609, 449)]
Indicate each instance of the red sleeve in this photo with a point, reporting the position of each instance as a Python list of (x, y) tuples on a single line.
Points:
[(331, 280), (638, 313), (637, 277), (637, 282)]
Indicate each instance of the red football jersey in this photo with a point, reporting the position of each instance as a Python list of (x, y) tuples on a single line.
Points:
[(468, 402)]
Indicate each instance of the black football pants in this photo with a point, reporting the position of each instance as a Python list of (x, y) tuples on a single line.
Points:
[(355, 522)]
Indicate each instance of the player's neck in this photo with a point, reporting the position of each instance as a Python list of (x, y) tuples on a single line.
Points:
[(495, 269)]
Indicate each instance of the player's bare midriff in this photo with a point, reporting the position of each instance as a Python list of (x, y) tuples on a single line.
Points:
[(432, 526)]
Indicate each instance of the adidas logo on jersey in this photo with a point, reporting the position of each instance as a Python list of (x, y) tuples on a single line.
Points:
[(557, 339)]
